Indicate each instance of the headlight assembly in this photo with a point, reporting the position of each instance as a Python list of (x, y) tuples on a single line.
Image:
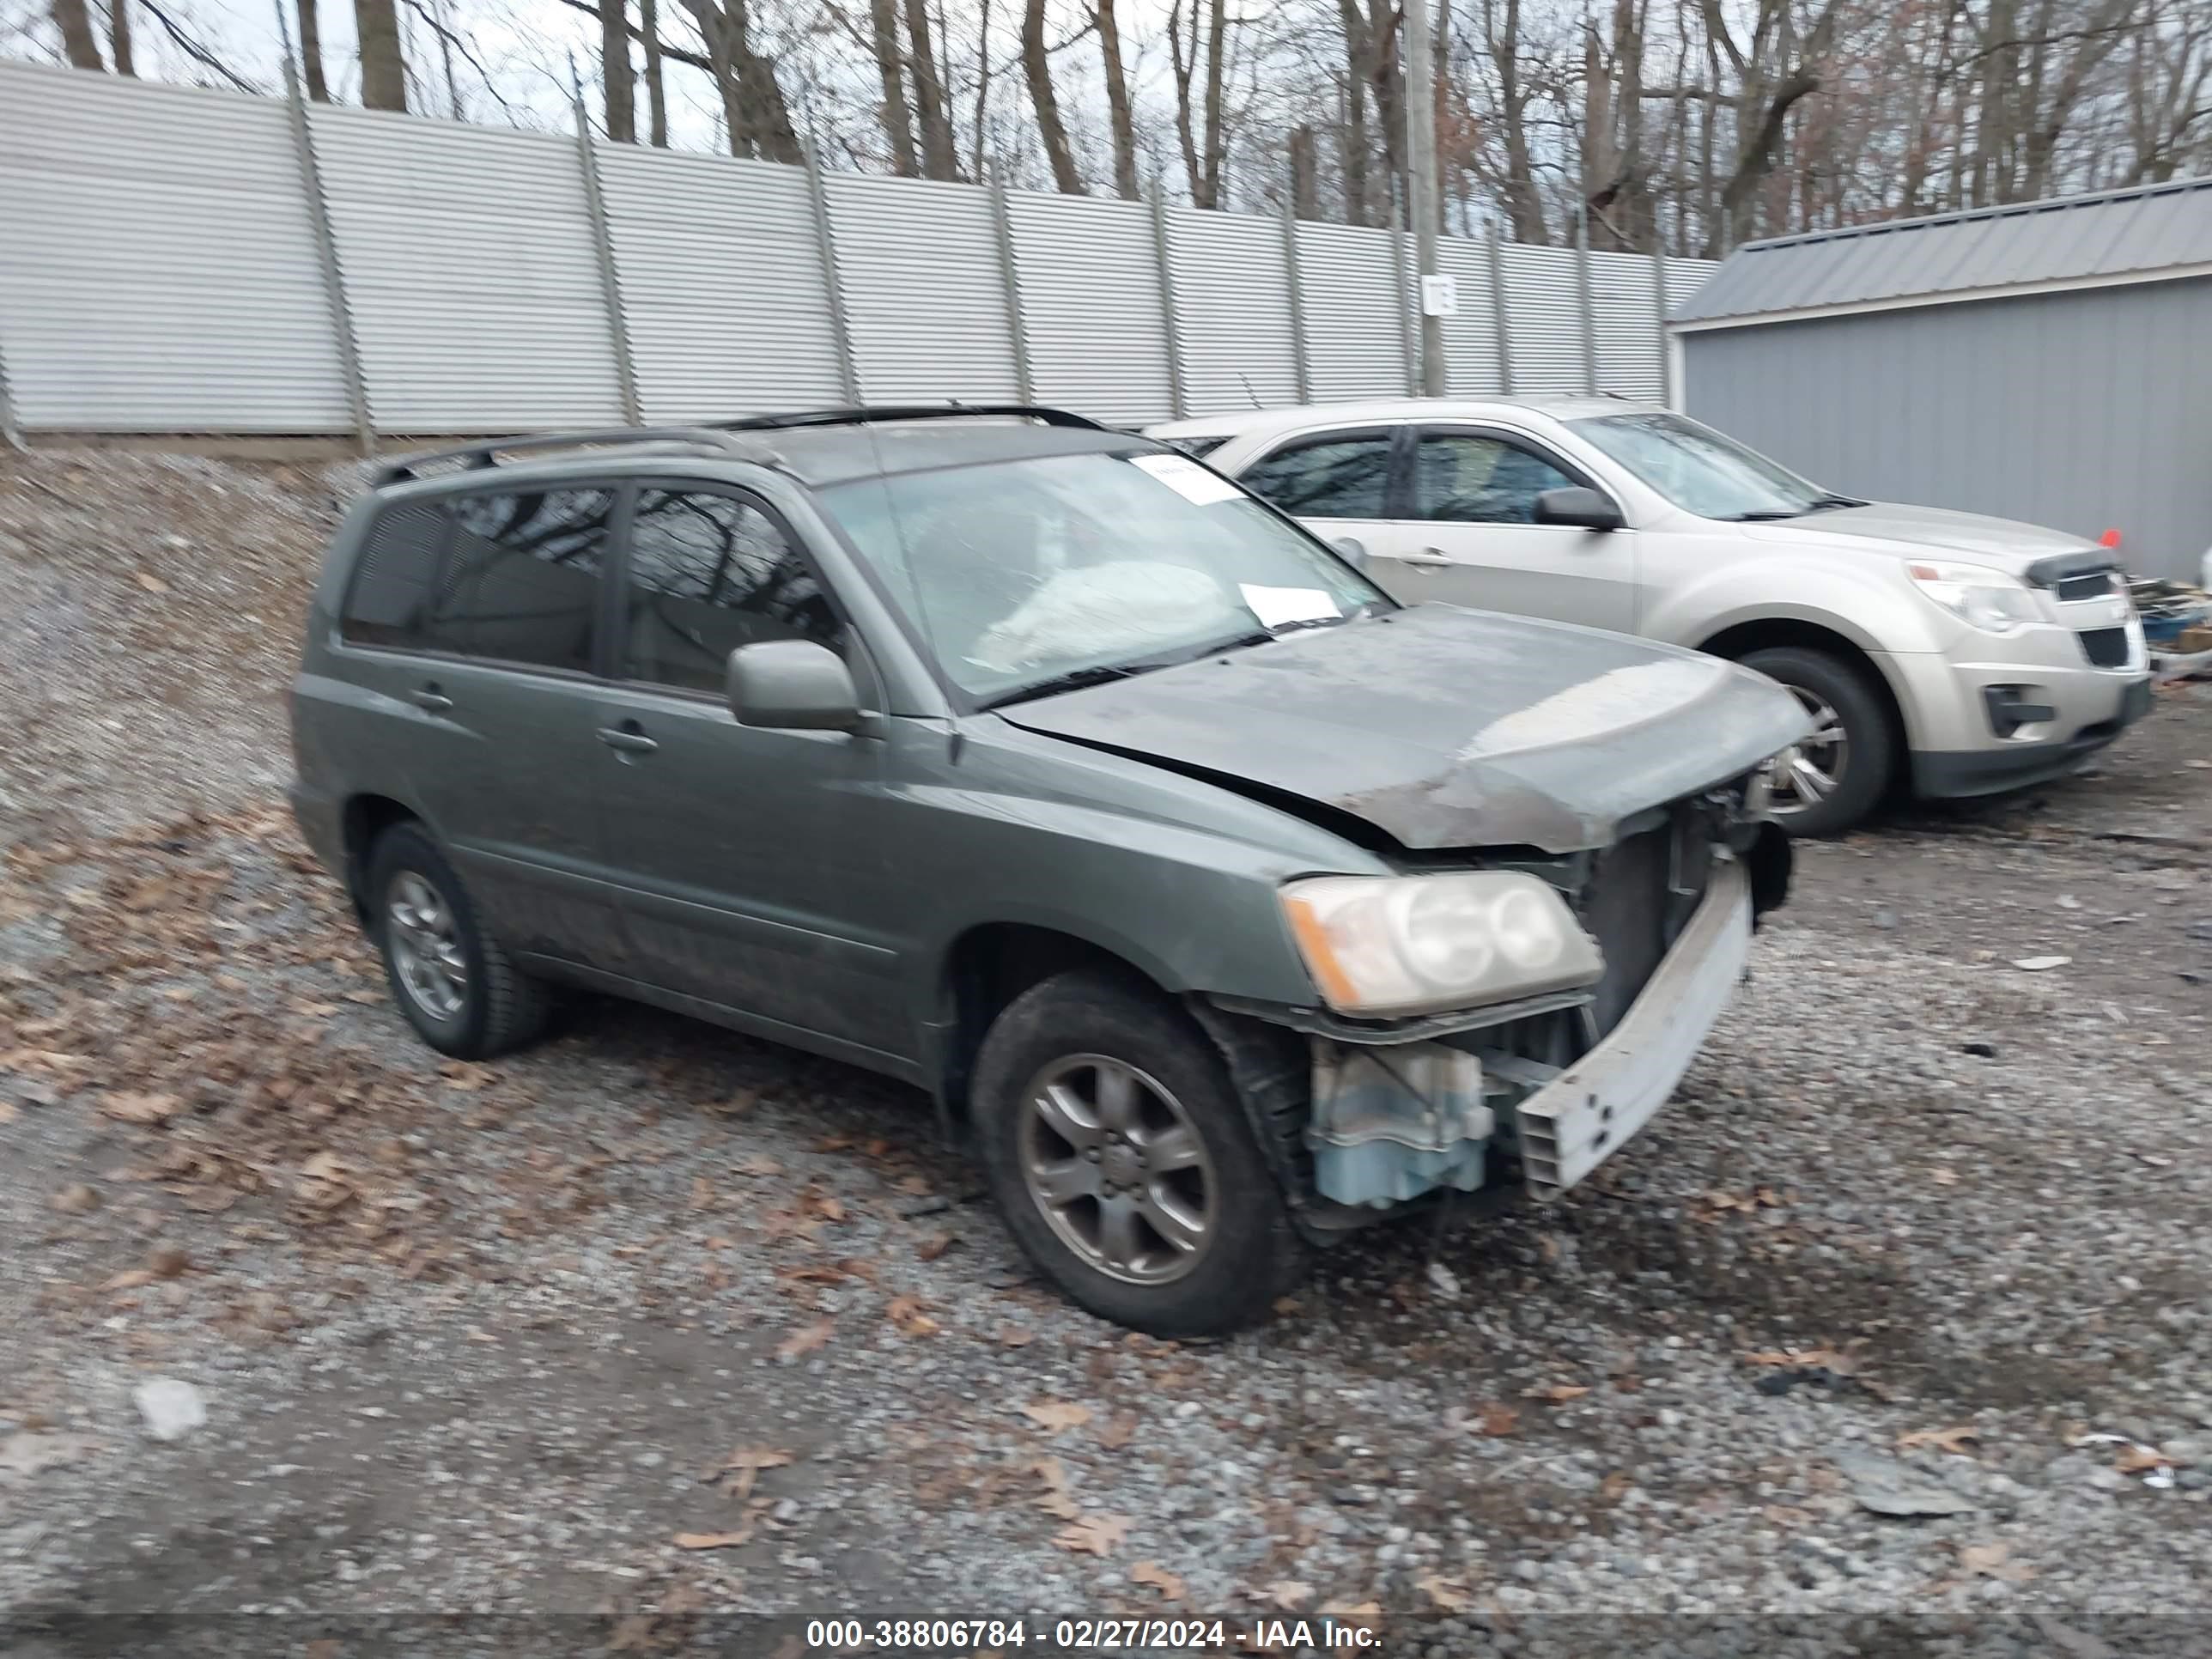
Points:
[(1380, 945), (1978, 596)]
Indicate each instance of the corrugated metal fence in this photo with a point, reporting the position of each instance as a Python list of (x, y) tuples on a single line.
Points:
[(173, 260)]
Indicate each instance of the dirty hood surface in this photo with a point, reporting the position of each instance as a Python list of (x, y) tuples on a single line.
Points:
[(1447, 728)]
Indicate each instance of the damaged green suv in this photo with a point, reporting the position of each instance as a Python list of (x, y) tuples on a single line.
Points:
[(1223, 903)]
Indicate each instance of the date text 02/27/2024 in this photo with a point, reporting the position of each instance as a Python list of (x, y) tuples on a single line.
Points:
[(1082, 1635)]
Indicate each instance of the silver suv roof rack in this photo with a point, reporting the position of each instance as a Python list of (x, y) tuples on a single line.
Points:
[(485, 453)]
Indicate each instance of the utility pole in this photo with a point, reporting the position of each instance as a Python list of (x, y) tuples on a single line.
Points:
[(1421, 150)]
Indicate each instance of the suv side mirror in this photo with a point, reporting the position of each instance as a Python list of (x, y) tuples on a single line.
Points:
[(1353, 549), (1578, 506), (792, 685)]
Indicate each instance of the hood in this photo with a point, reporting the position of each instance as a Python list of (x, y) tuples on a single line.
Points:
[(2008, 545), (1446, 727)]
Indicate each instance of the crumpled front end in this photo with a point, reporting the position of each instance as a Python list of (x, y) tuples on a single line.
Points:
[(1540, 1091)]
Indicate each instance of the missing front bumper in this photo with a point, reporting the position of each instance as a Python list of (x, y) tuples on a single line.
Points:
[(1586, 1113)]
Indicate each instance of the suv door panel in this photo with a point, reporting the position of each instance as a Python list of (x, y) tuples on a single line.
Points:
[(497, 756), (1468, 536), (749, 858)]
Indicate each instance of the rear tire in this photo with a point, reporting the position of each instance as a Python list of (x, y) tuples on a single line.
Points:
[(1124, 1161), (1836, 779), (450, 977)]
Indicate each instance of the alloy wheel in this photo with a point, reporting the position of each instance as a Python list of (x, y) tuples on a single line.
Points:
[(425, 945), (1807, 772), (1117, 1169)]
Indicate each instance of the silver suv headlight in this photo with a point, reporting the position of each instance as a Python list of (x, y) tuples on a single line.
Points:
[(1977, 595), (1407, 945)]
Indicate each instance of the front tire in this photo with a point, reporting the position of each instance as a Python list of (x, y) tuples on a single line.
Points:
[(451, 978), (1831, 782), (1123, 1163)]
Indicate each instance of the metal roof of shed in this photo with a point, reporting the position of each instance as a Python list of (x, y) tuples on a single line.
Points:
[(2117, 236)]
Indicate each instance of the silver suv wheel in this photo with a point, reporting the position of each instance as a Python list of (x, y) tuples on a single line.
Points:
[(1807, 773), (1116, 1168), (426, 945)]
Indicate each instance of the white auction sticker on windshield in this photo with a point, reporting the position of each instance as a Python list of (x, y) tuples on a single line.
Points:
[(1187, 478), (1277, 607)]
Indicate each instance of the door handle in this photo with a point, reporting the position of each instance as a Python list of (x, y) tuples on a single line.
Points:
[(627, 737), (428, 697), (1428, 557)]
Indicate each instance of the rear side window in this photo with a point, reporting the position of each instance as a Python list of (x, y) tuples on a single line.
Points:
[(710, 572), (521, 578), (395, 577), (1344, 476)]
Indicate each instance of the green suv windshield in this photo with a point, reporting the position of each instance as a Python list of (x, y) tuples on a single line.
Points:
[(1031, 575), (1703, 473)]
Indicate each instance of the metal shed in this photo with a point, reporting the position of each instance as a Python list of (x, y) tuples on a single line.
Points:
[(2049, 361)]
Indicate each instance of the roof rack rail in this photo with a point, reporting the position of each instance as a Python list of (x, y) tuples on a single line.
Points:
[(483, 452), (947, 411)]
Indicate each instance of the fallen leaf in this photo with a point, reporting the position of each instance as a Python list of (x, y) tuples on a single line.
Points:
[(1015, 1336), (759, 1164), (1287, 1594), (1783, 1514), (2138, 1459), (713, 1540), (1354, 1613), (1559, 1394), (1159, 1578), (1943, 1178), (1954, 1441), (7, 1111), (1612, 1486), (915, 1185), (805, 1340), (905, 1312), (1059, 1504), (140, 1107), (1498, 1420), (464, 1074), (135, 1279), (744, 1466), (1053, 1416), (1117, 1431), (74, 1199), (702, 1193), (1448, 1594), (169, 1263), (934, 1246), (152, 583), (1808, 1357), (1094, 1535), (1993, 1560)]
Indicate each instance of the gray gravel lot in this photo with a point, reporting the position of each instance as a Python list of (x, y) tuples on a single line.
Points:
[(487, 1341)]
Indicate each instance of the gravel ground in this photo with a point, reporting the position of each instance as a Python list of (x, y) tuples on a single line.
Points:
[(656, 1338)]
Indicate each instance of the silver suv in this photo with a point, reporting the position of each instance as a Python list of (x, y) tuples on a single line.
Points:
[(1945, 652), (1225, 903)]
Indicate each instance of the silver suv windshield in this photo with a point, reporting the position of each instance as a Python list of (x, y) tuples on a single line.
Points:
[(1030, 576), (1702, 473)]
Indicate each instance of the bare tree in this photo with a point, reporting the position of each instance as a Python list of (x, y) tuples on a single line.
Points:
[(1036, 69), (1120, 122), (73, 19), (615, 75), (311, 52), (118, 37), (656, 93), (891, 71), (938, 158), (383, 59)]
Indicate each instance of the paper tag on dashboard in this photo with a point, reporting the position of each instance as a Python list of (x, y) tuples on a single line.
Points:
[(1276, 606), (1187, 478)]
